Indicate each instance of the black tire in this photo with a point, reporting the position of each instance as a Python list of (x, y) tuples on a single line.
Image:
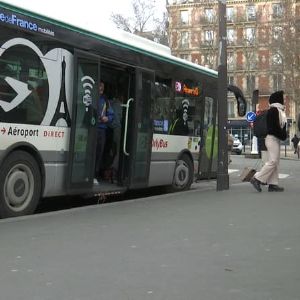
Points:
[(183, 174), (20, 185)]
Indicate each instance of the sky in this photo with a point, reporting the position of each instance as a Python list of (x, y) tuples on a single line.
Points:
[(85, 13)]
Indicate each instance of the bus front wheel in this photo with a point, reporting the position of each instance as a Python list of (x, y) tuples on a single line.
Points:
[(20, 185), (183, 174)]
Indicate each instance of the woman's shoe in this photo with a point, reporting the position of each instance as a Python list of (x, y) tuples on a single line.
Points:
[(275, 188), (256, 183)]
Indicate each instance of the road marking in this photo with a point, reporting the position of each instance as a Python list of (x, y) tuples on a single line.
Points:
[(232, 171), (282, 176)]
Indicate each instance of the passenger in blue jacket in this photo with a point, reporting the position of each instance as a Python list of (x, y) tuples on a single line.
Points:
[(105, 116)]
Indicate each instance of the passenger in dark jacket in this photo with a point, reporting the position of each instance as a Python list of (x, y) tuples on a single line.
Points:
[(276, 125)]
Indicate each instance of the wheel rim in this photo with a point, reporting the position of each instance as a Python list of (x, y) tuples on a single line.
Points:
[(181, 176), (19, 187)]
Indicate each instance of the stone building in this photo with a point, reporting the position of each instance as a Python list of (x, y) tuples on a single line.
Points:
[(262, 45)]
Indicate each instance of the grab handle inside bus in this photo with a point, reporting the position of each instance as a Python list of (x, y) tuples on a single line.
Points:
[(126, 125)]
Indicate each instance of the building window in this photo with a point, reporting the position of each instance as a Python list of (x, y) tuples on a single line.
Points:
[(209, 60), (252, 60), (277, 59), (230, 61), (277, 82), (230, 14), (251, 13), (250, 83), (209, 14), (184, 17), (277, 32), (184, 42), (230, 109), (231, 36), (185, 56), (250, 35), (277, 10), (209, 36), (230, 80)]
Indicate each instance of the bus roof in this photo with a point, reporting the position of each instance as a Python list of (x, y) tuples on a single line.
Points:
[(117, 37)]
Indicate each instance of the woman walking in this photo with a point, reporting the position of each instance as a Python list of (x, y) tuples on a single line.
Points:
[(276, 124)]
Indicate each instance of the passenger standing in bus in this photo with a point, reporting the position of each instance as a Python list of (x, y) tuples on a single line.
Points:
[(116, 127), (105, 116)]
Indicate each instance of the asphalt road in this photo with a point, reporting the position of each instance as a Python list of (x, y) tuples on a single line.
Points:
[(202, 244)]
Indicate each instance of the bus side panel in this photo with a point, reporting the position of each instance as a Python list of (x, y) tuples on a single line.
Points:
[(36, 89), (166, 149)]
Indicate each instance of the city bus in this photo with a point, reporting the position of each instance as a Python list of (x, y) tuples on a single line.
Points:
[(49, 90)]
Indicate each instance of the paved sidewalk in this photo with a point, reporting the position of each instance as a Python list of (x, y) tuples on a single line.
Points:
[(285, 153)]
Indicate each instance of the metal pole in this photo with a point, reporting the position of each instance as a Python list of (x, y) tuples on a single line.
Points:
[(222, 174)]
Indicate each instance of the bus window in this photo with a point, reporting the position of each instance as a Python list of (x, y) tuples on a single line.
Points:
[(208, 112), (162, 106), (21, 68), (186, 114)]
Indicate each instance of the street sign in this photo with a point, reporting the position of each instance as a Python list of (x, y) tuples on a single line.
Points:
[(250, 116)]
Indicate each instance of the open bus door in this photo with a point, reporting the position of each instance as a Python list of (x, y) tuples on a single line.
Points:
[(208, 156), (82, 147), (137, 142)]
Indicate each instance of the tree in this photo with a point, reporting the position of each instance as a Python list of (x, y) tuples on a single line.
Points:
[(285, 50), (143, 22)]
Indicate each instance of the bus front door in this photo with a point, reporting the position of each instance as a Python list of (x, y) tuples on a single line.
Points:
[(138, 132), (83, 126)]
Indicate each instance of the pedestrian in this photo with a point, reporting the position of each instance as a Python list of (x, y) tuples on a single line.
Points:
[(105, 116), (262, 150), (295, 141), (276, 128)]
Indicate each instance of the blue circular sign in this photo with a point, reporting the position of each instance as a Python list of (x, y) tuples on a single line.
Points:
[(251, 116)]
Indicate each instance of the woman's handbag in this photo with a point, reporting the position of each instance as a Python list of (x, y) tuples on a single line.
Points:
[(247, 173)]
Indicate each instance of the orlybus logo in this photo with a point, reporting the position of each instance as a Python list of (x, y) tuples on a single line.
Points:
[(159, 143)]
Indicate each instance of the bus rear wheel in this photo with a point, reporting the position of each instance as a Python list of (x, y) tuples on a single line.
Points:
[(20, 185), (183, 174)]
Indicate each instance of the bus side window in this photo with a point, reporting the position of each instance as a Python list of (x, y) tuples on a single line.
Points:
[(161, 111), (26, 68), (186, 117)]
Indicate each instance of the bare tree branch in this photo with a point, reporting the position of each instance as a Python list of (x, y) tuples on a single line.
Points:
[(121, 22), (143, 22)]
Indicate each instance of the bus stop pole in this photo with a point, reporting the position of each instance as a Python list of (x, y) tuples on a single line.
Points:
[(222, 172)]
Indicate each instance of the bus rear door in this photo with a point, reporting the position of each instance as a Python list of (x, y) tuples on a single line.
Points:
[(138, 132)]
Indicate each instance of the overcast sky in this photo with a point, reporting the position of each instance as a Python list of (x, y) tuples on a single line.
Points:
[(84, 13)]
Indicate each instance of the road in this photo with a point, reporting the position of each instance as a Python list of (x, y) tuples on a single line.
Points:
[(202, 244)]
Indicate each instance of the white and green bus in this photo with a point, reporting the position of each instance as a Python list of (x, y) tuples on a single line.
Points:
[(49, 75)]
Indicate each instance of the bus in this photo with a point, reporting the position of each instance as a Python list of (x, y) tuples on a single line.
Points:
[(49, 77)]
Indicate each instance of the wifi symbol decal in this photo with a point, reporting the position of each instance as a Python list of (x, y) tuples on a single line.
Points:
[(88, 85), (185, 105)]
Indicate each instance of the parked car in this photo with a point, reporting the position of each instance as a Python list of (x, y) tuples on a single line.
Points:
[(237, 146)]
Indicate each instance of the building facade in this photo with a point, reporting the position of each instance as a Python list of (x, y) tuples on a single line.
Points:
[(262, 46)]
